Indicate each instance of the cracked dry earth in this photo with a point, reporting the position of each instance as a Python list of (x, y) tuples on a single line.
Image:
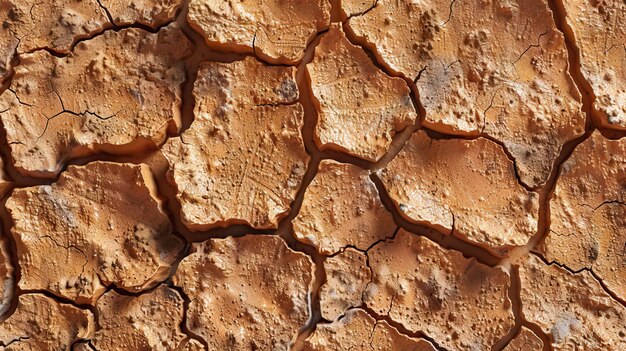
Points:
[(313, 175)]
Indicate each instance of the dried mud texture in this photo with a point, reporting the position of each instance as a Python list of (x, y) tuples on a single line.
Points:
[(275, 30), (119, 93), (347, 276), (460, 303), (57, 25), (248, 293), (588, 212), (499, 68), (98, 225), (6, 279), (150, 321), (360, 107), (467, 187), (358, 331), (251, 165), (341, 208), (41, 323), (600, 35), (572, 309), (526, 340)]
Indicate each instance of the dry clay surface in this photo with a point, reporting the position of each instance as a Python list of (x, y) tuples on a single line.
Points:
[(312, 175)]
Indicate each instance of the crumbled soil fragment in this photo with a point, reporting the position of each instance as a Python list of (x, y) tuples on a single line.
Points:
[(150, 321), (600, 34), (118, 92), (347, 276), (360, 107), (341, 208), (248, 293), (572, 309), (358, 331), (276, 30), (41, 323), (243, 158), (460, 303), (526, 340), (99, 224), (501, 69), (465, 185), (588, 212)]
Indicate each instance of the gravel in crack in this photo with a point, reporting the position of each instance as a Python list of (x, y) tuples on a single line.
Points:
[(243, 159), (526, 340), (360, 108), (118, 93), (600, 36), (41, 323), (464, 186), (57, 24), (358, 331), (347, 276), (150, 321), (341, 207), (275, 30), (588, 212), (573, 309), (499, 69), (248, 293), (458, 302), (99, 224)]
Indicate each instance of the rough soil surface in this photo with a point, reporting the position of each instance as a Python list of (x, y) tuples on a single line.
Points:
[(458, 302), (119, 92), (341, 208), (588, 212), (347, 276), (358, 331), (251, 165), (303, 175), (248, 293), (41, 323), (429, 182), (600, 35), (500, 69), (99, 224), (276, 30), (147, 322), (526, 340), (573, 309), (360, 108)]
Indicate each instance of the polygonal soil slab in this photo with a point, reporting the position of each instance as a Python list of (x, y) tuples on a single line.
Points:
[(458, 302), (99, 224), (341, 207), (248, 293), (600, 36), (276, 30), (499, 69), (58, 24), (41, 323), (150, 321), (526, 340), (118, 92), (465, 185), (588, 212), (360, 108), (347, 276), (358, 331), (243, 159), (573, 309)]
